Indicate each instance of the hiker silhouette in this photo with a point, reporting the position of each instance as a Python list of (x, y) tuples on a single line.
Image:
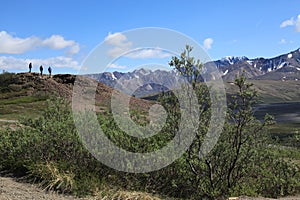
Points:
[(41, 69), (49, 70), (30, 67)]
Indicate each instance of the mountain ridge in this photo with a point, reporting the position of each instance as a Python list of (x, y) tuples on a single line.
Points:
[(145, 81), (257, 68)]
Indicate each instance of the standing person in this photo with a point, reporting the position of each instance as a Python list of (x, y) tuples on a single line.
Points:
[(49, 70), (41, 70), (30, 67)]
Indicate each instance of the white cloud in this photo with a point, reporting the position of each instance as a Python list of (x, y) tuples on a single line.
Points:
[(10, 44), (12, 63), (120, 45), (14, 45), (148, 53), (116, 51), (117, 39), (292, 22), (116, 66), (289, 22), (74, 49), (119, 42), (59, 42), (298, 24), (207, 43)]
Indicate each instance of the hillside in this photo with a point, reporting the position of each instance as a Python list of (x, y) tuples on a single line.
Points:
[(26, 93), (56, 156), (272, 91)]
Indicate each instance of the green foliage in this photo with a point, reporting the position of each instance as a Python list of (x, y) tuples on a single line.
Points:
[(6, 79), (24, 99), (49, 150), (241, 162), (133, 144), (187, 66)]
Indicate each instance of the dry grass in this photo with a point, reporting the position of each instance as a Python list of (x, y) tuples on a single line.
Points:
[(124, 195), (53, 178)]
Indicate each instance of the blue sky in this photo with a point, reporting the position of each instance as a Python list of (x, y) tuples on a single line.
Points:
[(63, 33)]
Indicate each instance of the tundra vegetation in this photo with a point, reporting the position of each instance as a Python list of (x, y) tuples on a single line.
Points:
[(245, 161)]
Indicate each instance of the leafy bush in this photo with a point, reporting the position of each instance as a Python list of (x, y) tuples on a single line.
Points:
[(49, 150), (241, 163), (6, 79)]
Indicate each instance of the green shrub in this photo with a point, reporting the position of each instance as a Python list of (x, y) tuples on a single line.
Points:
[(48, 149)]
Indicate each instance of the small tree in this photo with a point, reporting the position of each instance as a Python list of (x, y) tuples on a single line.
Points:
[(187, 66), (242, 153)]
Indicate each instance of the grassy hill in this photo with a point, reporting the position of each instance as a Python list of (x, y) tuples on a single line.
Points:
[(25, 94), (47, 148), (273, 91)]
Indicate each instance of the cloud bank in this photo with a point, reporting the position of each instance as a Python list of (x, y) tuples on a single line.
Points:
[(121, 45), (11, 63), (116, 66), (10, 44)]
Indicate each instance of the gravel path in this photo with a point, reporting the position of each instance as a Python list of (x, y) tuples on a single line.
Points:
[(10, 189), (8, 120)]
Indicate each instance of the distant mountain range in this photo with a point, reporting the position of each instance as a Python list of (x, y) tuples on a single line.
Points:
[(140, 82), (145, 82), (283, 67)]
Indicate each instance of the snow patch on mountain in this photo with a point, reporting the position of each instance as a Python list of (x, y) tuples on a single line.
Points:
[(281, 65), (144, 71), (149, 87), (225, 72), (250, 62), (113, 76), (233, 59)]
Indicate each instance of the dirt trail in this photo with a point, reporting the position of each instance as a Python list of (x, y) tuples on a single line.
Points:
[(10, 189), (8, 120)]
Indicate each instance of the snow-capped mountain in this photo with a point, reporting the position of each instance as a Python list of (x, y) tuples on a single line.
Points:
[(229, 60), (288, 65), (140, 82), (146, 82)]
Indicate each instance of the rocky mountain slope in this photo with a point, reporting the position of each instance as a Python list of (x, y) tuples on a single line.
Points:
[(283, 67), (146, 82), (140, 82)]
